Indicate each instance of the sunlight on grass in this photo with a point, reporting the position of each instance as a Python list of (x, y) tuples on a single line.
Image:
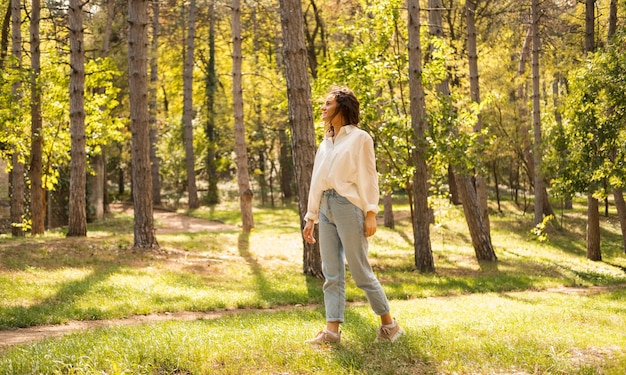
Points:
[(468, 317), (520, 333)]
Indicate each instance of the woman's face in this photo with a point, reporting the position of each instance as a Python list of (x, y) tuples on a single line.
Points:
[(329, 108)]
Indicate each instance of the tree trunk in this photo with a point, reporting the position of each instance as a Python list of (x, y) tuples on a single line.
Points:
[(154, 134), (620, 204), (211, 89), (612, 20), (481, 240), (525, 150), (421, 218), (190, 160), (37, 203), (96, 183), (472, 54), (17, 169), (286, 165), (593, 229), (300, 119), (536, 96), (4, 38), (454, 190), (590, 18), (78, 159), (243, 178), (144, 235)]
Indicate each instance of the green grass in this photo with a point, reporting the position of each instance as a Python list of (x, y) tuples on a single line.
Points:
[(467, 318)]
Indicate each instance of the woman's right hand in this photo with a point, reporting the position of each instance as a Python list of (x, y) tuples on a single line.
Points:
[(307, 232)]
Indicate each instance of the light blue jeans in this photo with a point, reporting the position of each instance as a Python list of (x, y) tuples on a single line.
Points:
[(342, 235)]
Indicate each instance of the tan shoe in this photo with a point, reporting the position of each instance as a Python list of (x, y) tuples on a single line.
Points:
[(325, 336), (389, 334)]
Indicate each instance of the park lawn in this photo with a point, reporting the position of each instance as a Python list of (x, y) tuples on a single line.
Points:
[(482, 333), (468, 317)]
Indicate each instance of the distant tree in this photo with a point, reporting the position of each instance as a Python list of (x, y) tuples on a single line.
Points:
[(37, 196), (593, 217), (4, 34), (17, 169), (210, 84), (300, 119), (536, 97), (188, 112), (243, 179), (144, 232), (77, 211)]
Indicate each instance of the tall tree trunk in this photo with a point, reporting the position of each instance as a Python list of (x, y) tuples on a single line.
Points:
[(590, 18), (525, 150), (144, 233), (593, 217), (4, 38), (154, 77), (243, 178), (300, 119), (17, 169), (97, 182), (537, 144), (78, 159), (468, 192), (190, 160), (37, 198), (612, 20), (211, 89), (421, 219), (472, 54)]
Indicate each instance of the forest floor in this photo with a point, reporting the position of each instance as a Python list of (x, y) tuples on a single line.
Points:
[(172, 222)]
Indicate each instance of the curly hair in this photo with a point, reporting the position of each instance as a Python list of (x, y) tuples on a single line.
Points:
[(347, 104)]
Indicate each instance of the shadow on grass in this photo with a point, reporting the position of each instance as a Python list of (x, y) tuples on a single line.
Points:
[(267, 290), (61, 306)]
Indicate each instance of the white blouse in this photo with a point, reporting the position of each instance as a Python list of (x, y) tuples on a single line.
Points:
[(347, 165)]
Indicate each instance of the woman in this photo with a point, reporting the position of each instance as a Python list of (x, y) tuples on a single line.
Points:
[(343, 198)]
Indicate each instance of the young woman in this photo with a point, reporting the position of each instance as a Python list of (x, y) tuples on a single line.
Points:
[(343, 198)]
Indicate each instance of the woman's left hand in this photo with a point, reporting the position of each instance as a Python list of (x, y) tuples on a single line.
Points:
[(370, 224)]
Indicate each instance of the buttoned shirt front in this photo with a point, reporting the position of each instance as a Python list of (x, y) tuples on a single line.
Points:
[(347, 165)]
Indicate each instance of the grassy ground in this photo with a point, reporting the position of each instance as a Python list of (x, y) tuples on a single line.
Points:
[(512, 317)]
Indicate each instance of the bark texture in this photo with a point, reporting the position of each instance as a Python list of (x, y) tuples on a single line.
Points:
[(78, 164), (243, 177), (421, 219), (190, 159), (37, 197), (144, 235), (300, 119)]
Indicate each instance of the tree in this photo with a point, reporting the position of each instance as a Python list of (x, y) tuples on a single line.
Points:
[(472, 54), (593, 218), (144, 235), (78, 217), (190, 161), (421, 218), (154, 76), (300, 119), (17, 169), (536, 96), (210, 84), (243, 179), (37, 197)]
